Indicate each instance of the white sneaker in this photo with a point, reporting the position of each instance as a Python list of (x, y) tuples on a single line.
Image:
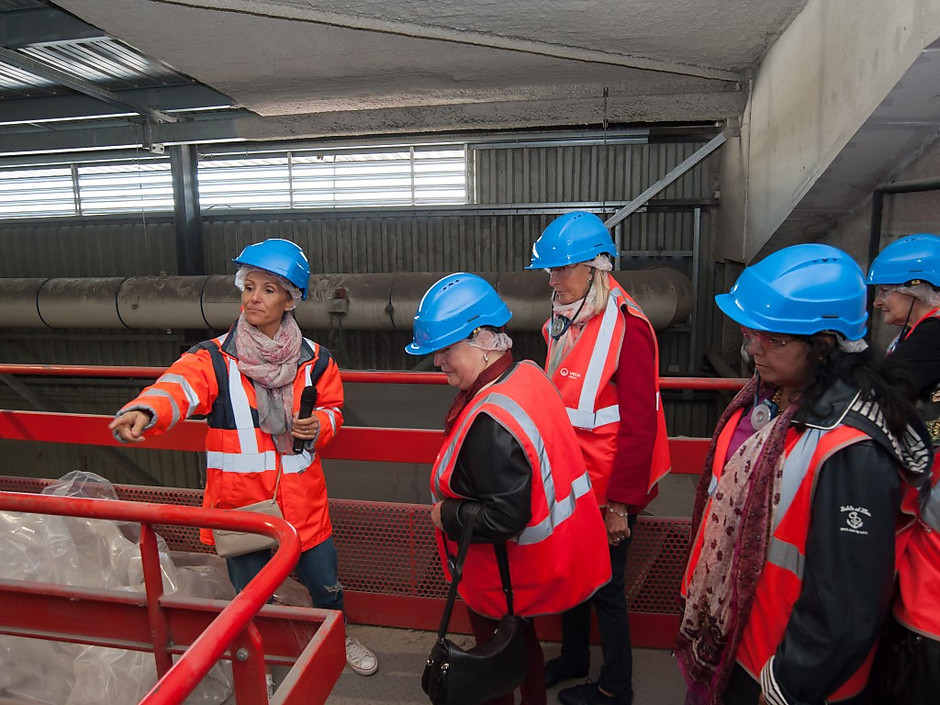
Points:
[(360, 658)]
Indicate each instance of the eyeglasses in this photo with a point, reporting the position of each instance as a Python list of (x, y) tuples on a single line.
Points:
[(882, 292), (768, 341), (566, 269)]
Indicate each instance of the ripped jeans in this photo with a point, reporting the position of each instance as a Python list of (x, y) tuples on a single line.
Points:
[(316, 568)]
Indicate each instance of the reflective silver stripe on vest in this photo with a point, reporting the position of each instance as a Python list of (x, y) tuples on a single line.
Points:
[(256, 462), (241, 409), (780, 553), (558, 511), (795, 468), (592, 420), (584, 416), (786, 556)]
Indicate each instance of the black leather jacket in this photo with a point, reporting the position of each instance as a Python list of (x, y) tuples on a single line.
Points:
[(491, 469)]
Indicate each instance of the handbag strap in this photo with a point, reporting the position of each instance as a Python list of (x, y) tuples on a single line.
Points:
[(277, 482), (457, 569), (502, 558)]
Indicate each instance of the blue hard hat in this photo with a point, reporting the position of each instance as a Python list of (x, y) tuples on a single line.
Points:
[(281, 257), (800, 290), (910, 260), (452, 309), (575, 237)]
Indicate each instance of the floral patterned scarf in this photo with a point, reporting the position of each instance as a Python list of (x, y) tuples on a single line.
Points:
[(736, 534)]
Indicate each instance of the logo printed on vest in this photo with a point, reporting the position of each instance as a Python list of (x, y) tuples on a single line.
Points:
[(565, 372), (855, 519)]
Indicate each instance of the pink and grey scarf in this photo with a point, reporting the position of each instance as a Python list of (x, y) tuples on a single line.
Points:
[(271, 363)]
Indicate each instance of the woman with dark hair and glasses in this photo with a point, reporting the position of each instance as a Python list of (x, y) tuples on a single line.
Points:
[(907, 279), (603, 358), (792, 559)]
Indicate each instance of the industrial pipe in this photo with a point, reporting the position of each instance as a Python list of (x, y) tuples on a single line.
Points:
[(355, 301)]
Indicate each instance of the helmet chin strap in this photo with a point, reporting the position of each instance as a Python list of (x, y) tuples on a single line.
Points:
[(907, 318), (561, 324)]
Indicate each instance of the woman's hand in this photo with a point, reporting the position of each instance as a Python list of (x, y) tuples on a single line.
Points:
[(306, 429), (436, 516), (618, 525), (129, 426)]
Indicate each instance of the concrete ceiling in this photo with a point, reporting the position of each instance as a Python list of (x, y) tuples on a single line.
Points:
[(442, 65), (226, 70)]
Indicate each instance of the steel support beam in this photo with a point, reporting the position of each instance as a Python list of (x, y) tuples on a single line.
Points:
[(186, 215), (674, 173), (38, 68), (189, 97)]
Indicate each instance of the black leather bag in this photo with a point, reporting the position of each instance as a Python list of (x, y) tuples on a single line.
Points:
[(453, 676)]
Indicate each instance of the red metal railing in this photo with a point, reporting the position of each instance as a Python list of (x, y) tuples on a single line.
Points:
[(409, 593), (200, 631), (352, 443), (349, 376)]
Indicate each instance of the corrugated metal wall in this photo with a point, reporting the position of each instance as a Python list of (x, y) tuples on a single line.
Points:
[(518, 192), (615, 172)]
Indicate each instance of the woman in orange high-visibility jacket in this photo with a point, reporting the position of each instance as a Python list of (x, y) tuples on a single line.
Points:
[(792, 559), (248, 383), (604, 360), (508, 446), (907, 279)]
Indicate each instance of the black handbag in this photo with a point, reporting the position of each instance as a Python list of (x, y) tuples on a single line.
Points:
[(453, 676)]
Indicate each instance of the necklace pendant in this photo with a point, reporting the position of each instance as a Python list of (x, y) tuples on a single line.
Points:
[(763, 413)]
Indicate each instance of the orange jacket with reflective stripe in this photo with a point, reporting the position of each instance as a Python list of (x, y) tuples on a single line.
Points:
[(585, 380), (781, 580), (561, 557), (242, 462)]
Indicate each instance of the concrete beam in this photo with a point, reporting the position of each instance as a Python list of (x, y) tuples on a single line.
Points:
[(843, 97)]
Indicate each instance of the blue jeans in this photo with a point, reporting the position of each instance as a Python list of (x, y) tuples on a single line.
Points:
[(613, 623), (316, 568)]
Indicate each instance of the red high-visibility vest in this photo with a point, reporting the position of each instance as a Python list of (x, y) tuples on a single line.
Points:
[(781, 580), (584, 379), (561, 557)]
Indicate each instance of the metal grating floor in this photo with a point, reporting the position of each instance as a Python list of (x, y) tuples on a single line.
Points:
[(389, 548)]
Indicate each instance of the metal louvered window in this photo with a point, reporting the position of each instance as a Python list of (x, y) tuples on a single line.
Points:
[(303, 179), (27, 193), (125, 188), (407, 176)]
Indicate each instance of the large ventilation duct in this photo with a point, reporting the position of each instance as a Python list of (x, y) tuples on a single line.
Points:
[(362, 301)]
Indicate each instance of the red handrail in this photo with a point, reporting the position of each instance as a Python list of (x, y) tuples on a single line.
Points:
[(348, 376), (232, 627)]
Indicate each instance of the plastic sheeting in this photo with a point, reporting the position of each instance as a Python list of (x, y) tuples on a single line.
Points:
[(104, 554)]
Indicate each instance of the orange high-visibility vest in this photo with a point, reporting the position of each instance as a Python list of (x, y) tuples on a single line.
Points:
[(561, 557), (781, 580), (241, 460), (917, 604), (585, 380)]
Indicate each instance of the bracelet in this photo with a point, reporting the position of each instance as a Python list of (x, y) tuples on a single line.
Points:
[(622, 515)]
